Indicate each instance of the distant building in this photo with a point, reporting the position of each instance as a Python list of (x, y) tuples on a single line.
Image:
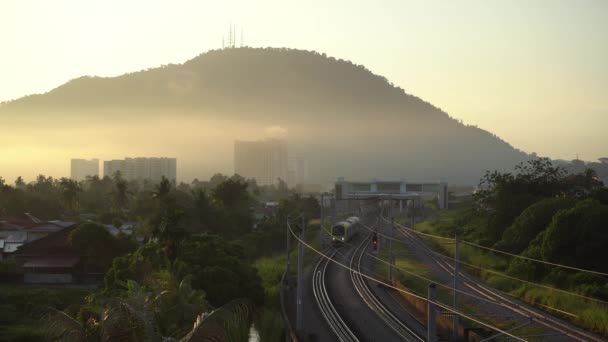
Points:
[(140, 169), (81, 168), (264, 160), (297, 171)]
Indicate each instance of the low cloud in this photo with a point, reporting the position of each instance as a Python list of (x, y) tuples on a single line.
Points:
[(276, 132)]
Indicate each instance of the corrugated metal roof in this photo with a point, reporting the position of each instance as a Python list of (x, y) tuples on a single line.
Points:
[(10, 247), (52, 261), (62, 223), (16, 236)]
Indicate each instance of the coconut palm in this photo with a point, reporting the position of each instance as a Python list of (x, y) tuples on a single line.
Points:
[(121, 193), (69, 193), (137, 316)]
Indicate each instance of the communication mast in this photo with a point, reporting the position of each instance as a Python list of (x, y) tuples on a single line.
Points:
[(232, 41)]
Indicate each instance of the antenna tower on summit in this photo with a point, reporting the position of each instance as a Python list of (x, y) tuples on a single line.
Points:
[(232, 41)]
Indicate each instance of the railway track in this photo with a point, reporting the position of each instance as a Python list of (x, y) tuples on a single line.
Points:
[(491, 294), (370, 299), (333, 319)]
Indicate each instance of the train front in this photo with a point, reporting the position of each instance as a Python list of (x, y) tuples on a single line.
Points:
[(338, 233)]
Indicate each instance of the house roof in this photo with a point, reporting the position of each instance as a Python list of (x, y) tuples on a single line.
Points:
[(51, 262), (55, 241), (5, 225), (50, 227), (14, 236), (10, 247), (63, 224)]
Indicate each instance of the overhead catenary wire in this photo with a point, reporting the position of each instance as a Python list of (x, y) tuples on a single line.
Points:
[(451, 288), (535, 260), (533, 317), (439, 304), (541, 320), (502, 252), (518, 279), (493, 272), (448, 287)]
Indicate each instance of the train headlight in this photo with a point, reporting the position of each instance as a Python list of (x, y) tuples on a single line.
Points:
[(342, 238)]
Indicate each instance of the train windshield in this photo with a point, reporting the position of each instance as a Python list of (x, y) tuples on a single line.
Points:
[(338, 230)]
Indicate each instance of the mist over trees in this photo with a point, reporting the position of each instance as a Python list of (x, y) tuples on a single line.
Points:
[(346, 120)]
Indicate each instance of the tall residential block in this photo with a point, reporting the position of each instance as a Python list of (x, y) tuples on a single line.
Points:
[(297, 168), (139, 169), (81, 168), (263, 160)]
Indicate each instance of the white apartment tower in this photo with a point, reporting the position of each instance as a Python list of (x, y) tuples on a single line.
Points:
[(140, 169), (264, 160), (81, 168), (297, 170)]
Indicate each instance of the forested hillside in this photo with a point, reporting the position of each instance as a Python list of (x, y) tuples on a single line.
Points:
[(346, 120)]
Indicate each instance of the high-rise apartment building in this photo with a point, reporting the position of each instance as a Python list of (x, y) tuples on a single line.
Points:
[(297, 169), (152, 169), (264, 160), (81, 168)]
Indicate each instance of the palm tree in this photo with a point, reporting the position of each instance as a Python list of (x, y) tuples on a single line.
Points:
[(69, 193), (162, 190), (19, 183), (121, 193), (138, 315)]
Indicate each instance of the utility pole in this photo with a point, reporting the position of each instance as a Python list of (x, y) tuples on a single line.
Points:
[(321, 226), (456, 270), (335, 209), (288, 253), (390, 251), (431, 315), (299, 317), (413, 212)]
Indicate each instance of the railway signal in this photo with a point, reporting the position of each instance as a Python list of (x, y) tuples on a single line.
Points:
[(375, 242)]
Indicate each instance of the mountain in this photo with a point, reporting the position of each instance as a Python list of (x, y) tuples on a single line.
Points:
[(344, 119)]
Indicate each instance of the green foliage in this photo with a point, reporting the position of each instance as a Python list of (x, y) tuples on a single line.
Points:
[(270, 270), (69, 193), (139, 266), (21, 309), (578, 236), (270, 325), (220, 268), (97, 246), (530, 222), (504, 196)]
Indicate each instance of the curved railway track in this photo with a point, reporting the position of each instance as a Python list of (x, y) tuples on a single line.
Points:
[(501, 298), (370, 299), (333, 319)]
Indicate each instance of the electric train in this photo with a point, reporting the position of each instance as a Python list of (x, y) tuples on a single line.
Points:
[(343, 231)]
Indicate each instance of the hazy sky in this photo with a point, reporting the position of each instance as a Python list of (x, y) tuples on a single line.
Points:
[(533, 72)]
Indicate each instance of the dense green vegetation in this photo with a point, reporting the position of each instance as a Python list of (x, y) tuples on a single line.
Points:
[(542, 213), (202, 257), (21, 309)]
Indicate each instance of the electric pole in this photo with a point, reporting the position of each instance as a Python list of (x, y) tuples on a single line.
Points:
[(456, 270), (300, 288), (431, 324)]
